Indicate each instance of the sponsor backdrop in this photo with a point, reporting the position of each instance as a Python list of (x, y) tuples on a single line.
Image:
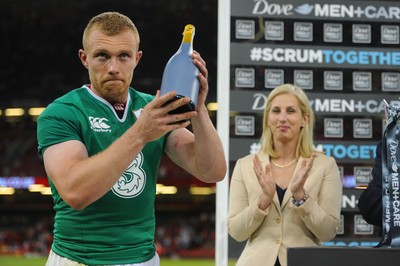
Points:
[(346, 55)]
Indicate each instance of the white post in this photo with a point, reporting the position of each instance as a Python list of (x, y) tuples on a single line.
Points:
[(223, 98)]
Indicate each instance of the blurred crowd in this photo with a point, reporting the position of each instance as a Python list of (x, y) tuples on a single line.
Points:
[(188, 235), (28, 235), (20, 157)]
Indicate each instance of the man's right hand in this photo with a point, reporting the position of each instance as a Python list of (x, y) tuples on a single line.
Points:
[(155, 120)]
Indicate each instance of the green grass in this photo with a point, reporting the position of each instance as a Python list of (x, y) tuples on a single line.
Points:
[(22, 261)]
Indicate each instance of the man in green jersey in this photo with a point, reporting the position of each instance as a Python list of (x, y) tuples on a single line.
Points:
[(102, 144)]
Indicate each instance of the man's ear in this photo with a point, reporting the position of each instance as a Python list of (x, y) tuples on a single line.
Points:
[(83, 57), (138, 56)]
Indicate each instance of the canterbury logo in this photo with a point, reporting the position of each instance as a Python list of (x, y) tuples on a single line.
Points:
[(99, 124), (119, 106)]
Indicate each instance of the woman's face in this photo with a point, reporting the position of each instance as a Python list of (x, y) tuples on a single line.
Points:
[(285, 118)]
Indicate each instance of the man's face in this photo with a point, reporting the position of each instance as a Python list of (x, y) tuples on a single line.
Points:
[(111, 61)]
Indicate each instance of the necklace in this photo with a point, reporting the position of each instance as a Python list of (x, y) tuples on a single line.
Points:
[(284, 165)]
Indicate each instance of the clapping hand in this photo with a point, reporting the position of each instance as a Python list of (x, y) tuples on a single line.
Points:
[(300, 178), (266, 181)]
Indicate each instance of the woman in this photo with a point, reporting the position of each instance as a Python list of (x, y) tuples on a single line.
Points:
[(288, 194)]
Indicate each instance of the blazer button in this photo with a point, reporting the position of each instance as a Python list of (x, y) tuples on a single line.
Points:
[(277, 220), (277, 241)]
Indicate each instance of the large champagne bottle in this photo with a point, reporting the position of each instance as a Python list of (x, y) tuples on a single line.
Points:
[(180, 73)]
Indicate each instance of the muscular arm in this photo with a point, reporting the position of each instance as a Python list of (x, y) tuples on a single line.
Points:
[(200, 153), (81, 180)]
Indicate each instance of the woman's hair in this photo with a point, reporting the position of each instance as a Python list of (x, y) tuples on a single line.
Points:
[(111, 24), (305, 145)]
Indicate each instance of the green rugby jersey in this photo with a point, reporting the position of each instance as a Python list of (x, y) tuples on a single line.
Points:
[(119, 227)]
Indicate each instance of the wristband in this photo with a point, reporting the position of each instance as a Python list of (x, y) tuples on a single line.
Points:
[(299, 203)]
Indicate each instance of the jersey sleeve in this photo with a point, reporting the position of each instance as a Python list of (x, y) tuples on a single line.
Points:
[(58, 123)]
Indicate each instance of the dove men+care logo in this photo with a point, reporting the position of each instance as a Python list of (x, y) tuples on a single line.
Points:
[(132, 182), (395, 184), (326, 10)]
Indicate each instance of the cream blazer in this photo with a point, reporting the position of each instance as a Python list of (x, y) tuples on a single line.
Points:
[(269, 233)]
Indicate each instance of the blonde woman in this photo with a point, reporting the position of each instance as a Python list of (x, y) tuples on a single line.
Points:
[(288, 194)]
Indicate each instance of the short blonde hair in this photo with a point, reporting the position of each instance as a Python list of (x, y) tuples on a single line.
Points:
[(111, 24), (305, 145)]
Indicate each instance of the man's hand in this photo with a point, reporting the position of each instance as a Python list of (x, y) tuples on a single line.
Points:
[(155, 119)]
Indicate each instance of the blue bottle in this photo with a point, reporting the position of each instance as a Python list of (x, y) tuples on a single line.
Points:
[(180, 73)]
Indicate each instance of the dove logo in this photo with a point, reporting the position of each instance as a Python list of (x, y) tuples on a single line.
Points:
[(393, 144), (99, 124), (262, 7), (305, 9), (259, 103), (132, 182)]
